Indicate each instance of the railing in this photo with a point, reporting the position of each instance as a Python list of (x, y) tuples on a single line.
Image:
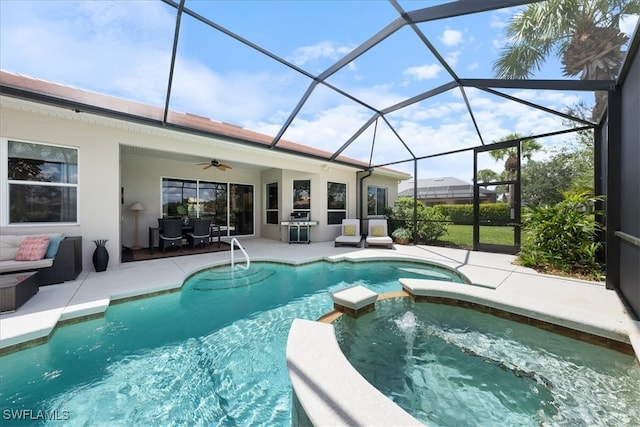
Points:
[(234, 242)]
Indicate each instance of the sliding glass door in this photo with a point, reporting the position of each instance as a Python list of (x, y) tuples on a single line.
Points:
[(228, 205)]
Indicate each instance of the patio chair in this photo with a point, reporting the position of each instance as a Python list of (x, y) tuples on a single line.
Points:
[(171, 235), (378, 234), (350, 233), (201, 233)]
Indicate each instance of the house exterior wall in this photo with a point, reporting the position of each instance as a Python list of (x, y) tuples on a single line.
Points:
[(98, 170), (111, 179)]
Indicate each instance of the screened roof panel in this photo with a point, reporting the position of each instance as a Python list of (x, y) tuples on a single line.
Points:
[(219, 77), (310, 34), (395, 69), (253, 63), (99, 46)]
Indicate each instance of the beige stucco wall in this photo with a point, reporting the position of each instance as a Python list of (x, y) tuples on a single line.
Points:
[(103, 170)]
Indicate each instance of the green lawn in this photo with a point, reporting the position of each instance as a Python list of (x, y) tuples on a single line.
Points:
[(462, 235)]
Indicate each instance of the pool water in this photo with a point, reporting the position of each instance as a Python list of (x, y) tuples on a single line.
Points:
[(451, 366), (212, 354)]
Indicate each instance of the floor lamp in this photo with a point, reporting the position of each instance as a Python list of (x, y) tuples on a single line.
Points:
[(137, 207)]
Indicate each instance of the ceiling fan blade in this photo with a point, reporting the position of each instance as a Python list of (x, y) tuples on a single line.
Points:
[(223, 167), (207, 167)]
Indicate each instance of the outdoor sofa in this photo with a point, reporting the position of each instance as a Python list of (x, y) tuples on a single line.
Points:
[(62, 260)]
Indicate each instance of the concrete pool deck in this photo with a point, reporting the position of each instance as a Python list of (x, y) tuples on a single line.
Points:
[(567, 301)]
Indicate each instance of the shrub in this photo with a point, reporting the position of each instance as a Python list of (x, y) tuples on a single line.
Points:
[(491, 213), (562, 237), (459, 214), (431, 224)]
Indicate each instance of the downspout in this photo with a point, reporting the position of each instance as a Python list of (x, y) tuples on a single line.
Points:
[(360, 203)]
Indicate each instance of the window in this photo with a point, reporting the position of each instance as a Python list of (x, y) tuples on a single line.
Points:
[(179, 198), (43, 183), (301, 195), (376, 200), (271, 215), (229, 205), (336, 202)]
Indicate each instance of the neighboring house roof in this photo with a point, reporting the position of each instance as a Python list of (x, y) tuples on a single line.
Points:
[(79, 99), (441, 188)]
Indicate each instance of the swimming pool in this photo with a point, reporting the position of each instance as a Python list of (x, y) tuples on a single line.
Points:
[(453, 366), (211, 354)]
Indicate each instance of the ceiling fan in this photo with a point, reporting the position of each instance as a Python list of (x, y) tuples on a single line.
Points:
[(215, 163)]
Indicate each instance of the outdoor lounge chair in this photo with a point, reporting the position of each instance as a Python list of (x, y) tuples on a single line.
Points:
[(350, 233), (378, 234)]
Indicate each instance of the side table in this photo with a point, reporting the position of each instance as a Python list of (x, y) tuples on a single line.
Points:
[(16, 289)]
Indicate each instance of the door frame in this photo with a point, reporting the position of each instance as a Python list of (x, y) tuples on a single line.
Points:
[(515, 214)]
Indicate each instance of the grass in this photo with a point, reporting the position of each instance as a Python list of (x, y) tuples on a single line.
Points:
[(462, 235)]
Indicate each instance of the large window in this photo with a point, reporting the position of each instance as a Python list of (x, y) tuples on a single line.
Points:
[(336, 202), (43, 183), (229, 205), (376, 200), (179, 198), (302, 195), (271, 212)]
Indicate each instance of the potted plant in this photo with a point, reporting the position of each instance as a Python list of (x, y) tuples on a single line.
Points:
[(401, 235)]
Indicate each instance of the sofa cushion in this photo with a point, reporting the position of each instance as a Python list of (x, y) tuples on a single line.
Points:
[(377, 231), (349, 230), (33, 248), (10, 243), (12, 265), (9, 246), (54, 244)]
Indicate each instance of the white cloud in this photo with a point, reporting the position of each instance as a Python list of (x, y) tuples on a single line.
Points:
[(423, 72), (452, 58), (321, 50), (451, 37), (473, 66)]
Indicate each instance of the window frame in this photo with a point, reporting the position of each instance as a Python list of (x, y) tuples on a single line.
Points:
[(6, 183), (270, 210), (293, 196), (336, 210), (376, 204)]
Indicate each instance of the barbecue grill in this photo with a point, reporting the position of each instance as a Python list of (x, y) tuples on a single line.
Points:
[(299, 226)]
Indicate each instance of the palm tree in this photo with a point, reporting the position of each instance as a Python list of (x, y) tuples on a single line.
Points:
[(528, 146), (487, 175), (584, 34)]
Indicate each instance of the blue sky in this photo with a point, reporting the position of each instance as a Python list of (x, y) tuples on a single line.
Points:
[(123, 48)]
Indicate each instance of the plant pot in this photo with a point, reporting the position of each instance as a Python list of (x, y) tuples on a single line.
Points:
[(402, 240), (100, 255)]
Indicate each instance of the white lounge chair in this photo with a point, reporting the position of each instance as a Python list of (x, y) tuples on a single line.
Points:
[(350, 233), (378, 234)]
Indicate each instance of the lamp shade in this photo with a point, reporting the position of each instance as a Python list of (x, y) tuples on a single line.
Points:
[(137, 206)]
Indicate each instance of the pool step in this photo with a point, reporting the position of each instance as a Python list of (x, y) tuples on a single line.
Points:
[(226, 279)]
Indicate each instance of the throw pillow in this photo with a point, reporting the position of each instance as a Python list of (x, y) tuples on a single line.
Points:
[(349, 230), (54, 244), (33, 248), (377, 231)]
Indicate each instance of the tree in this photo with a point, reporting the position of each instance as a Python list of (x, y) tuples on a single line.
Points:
[(488, 175), (579, 152), (584, 34), (544, 182)]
